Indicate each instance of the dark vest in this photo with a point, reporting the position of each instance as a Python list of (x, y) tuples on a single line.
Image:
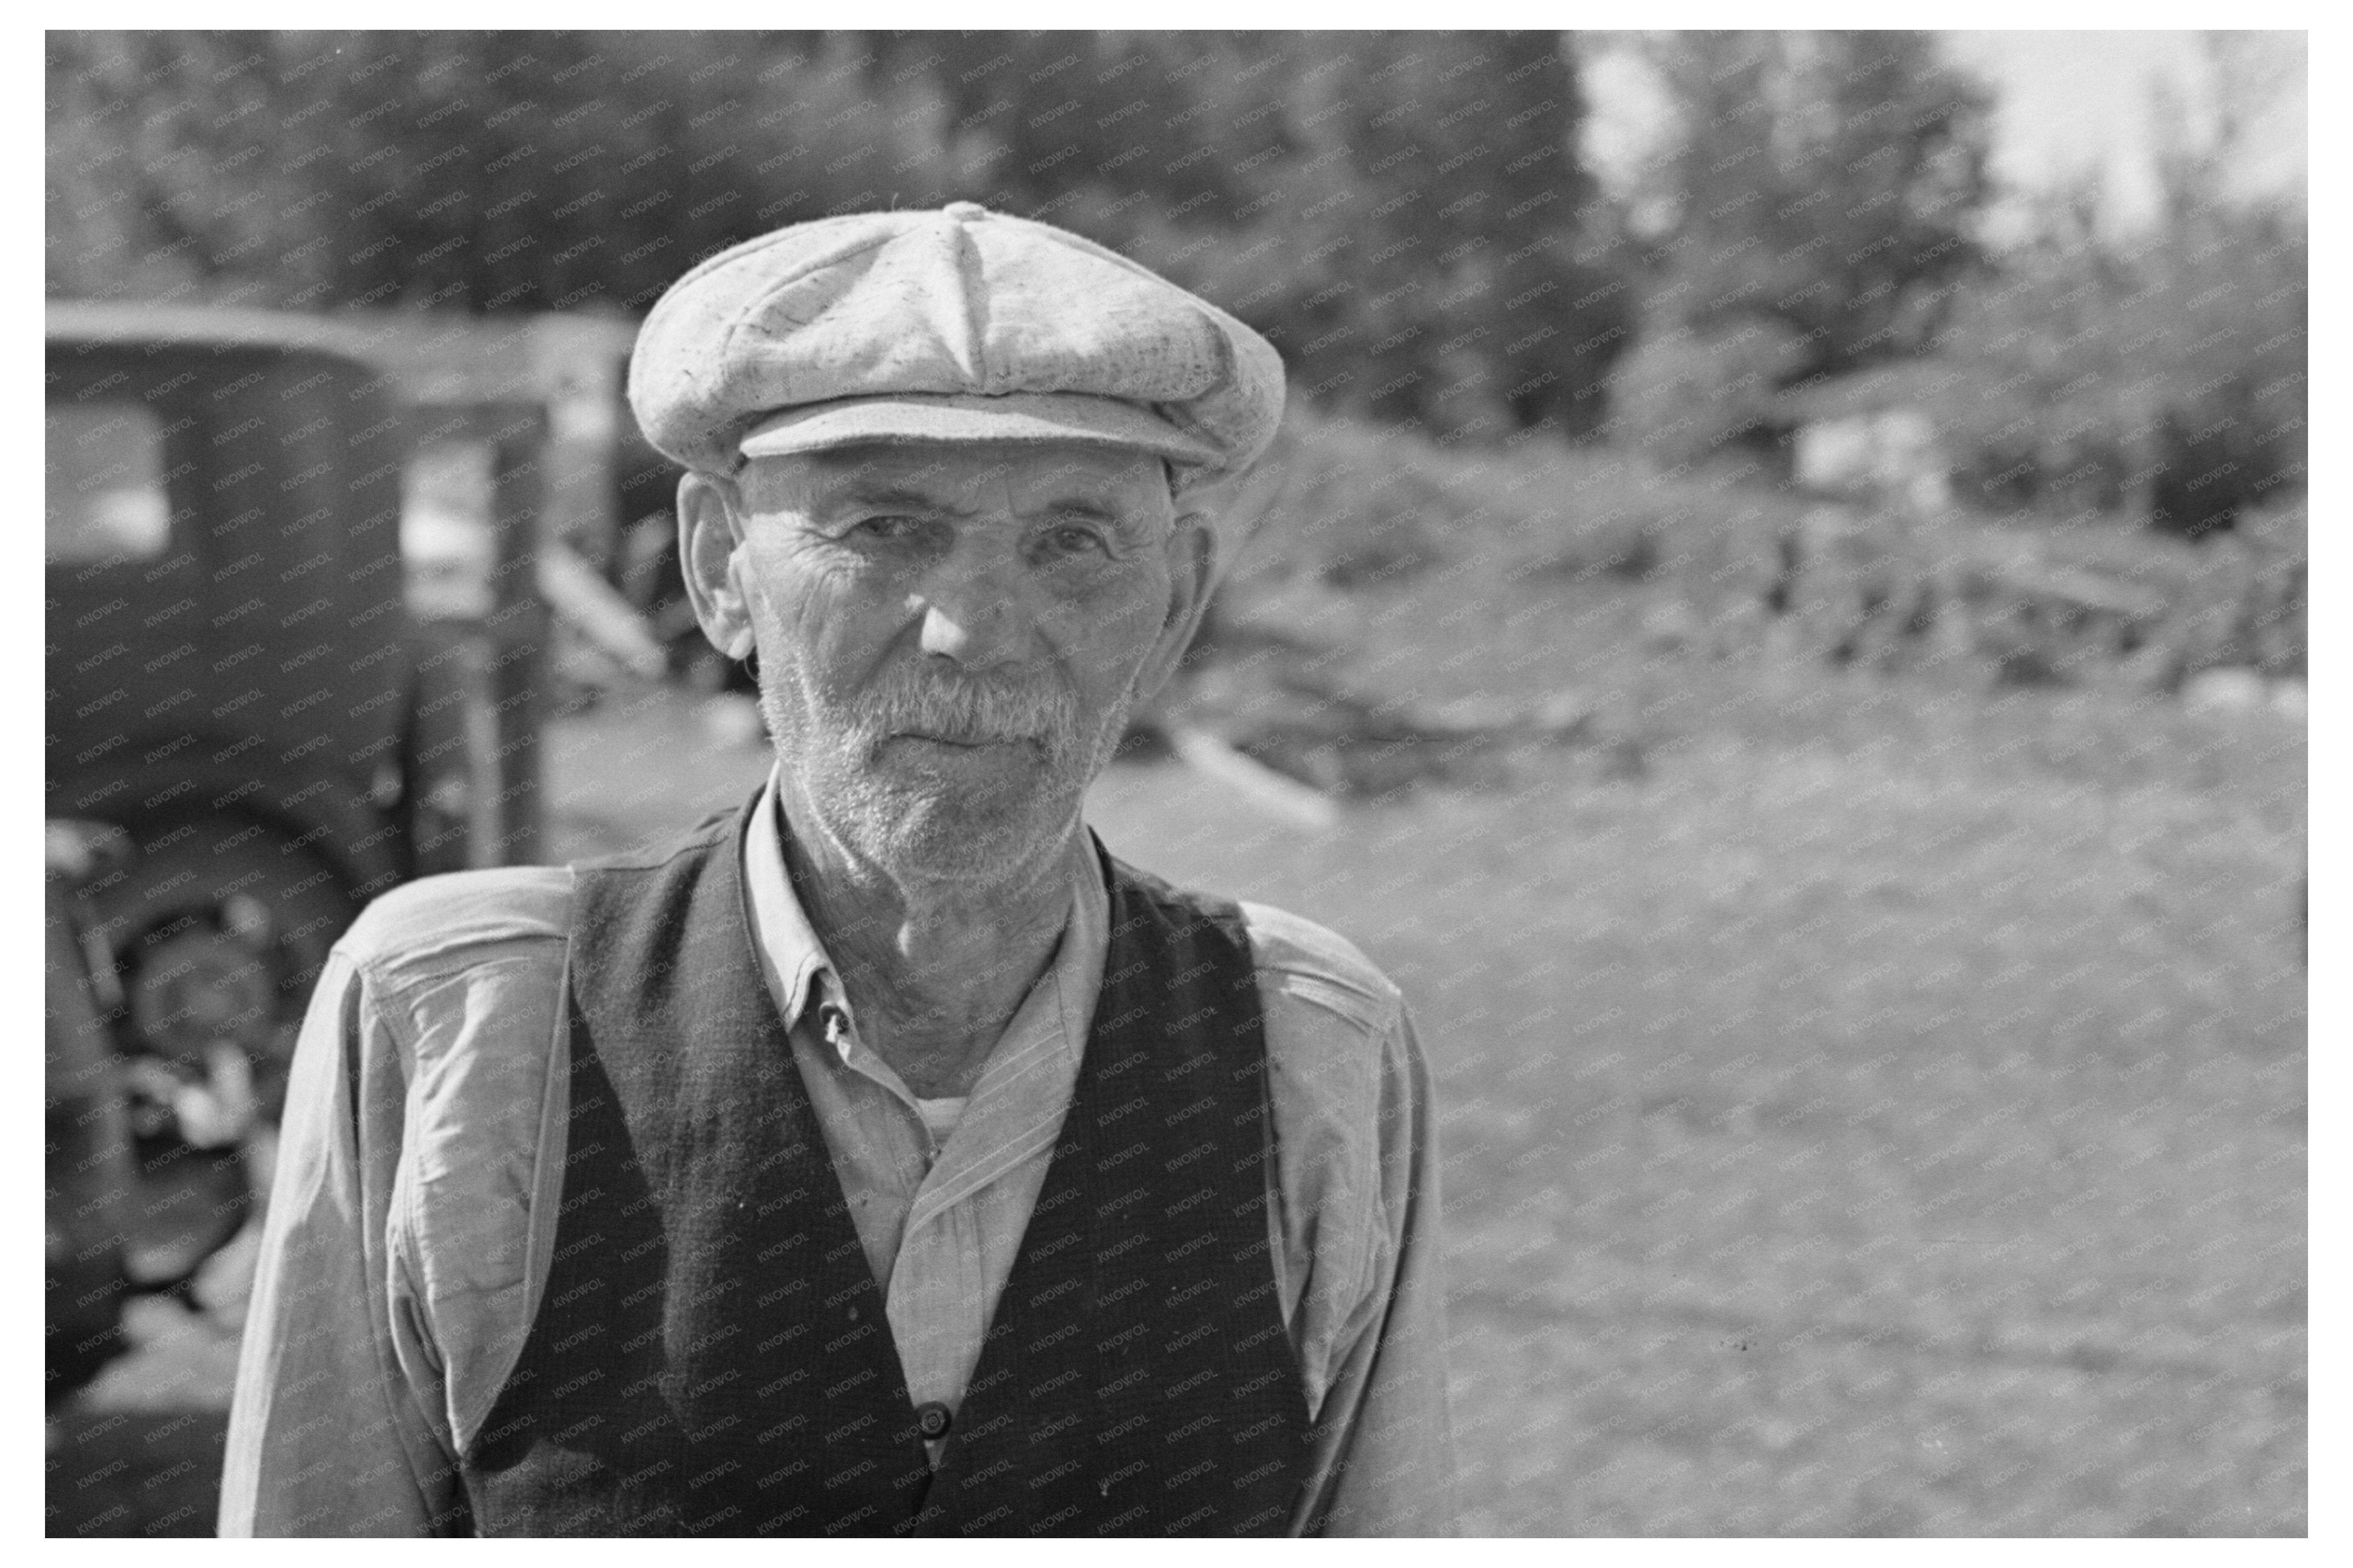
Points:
[(712, 1356)]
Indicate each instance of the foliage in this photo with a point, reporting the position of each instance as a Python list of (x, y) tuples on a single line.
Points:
[(1826, 181), (2161, 371), (1399, 213), (487, 172), (1687, 393), (2167, 374), (1366, 510), (1732, 567)]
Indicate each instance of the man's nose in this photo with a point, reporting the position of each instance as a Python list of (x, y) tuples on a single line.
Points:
[(977, 610)]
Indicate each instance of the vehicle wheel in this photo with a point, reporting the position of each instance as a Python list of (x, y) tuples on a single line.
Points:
[(218, 936)]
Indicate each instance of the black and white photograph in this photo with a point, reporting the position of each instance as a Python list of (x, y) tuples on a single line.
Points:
[(1173, 782)]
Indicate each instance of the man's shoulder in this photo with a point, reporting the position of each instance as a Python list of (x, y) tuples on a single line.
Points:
[(441, 925), (459, 918), (1303, 965), (1310, 977)]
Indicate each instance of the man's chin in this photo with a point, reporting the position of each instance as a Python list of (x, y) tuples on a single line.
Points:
[(954, 821), (927, 751)]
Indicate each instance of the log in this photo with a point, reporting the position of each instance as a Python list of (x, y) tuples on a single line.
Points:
[(1278, 793), (2084, 588), (593, 607)]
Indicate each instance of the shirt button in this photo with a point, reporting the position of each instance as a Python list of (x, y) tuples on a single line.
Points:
[(934, 1419)]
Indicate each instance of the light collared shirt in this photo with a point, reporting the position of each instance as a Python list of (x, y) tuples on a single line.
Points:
[(941, 1217), (412, 1213)]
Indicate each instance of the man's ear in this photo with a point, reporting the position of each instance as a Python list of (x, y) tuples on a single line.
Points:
[(1192, 573), (709, 529)]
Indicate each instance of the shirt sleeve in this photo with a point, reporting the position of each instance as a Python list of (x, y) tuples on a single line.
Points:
[(327, 1435), (1384, 1446)]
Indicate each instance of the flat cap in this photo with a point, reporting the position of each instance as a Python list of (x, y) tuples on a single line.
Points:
[(955, 325)]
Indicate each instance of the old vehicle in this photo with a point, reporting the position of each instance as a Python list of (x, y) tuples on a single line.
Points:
[(248, 736), (91, 1176)]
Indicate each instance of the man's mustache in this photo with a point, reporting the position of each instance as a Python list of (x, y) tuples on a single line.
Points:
[(970, 710)]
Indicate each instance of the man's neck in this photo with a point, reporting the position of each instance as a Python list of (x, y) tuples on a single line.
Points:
[(934, 970)]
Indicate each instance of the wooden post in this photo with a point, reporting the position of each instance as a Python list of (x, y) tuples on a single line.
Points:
[(518, 630)]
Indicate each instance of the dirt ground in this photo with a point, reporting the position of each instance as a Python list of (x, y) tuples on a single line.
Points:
[(1848, 1138), (1863, 1115)]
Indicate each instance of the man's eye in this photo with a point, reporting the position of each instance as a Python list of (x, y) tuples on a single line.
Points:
[(1076, 539), (889, 527)]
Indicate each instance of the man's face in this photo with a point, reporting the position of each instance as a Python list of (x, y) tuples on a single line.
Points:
[(952, 637)]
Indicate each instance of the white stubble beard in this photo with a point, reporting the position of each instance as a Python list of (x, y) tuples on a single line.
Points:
[(940, 832)]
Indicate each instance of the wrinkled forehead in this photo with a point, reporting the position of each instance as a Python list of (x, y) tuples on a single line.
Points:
[(961, 476)]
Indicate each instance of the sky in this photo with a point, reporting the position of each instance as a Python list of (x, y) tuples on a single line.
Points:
[(2064, 101), (2073, 98)]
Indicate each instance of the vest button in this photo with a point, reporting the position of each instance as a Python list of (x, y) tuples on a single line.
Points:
[(934, 1419)]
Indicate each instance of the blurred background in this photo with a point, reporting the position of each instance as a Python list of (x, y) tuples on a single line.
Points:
[(1779, 615)]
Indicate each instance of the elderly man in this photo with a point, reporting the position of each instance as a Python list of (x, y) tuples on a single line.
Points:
[(884, 1157)]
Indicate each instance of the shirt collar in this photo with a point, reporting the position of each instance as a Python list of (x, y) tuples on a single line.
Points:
[(790, 955), (799, 975)]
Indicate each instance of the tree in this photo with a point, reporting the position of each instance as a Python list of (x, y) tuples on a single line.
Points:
[(2163, 369), (1400, 212), (1827, 181), (487, 172)]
